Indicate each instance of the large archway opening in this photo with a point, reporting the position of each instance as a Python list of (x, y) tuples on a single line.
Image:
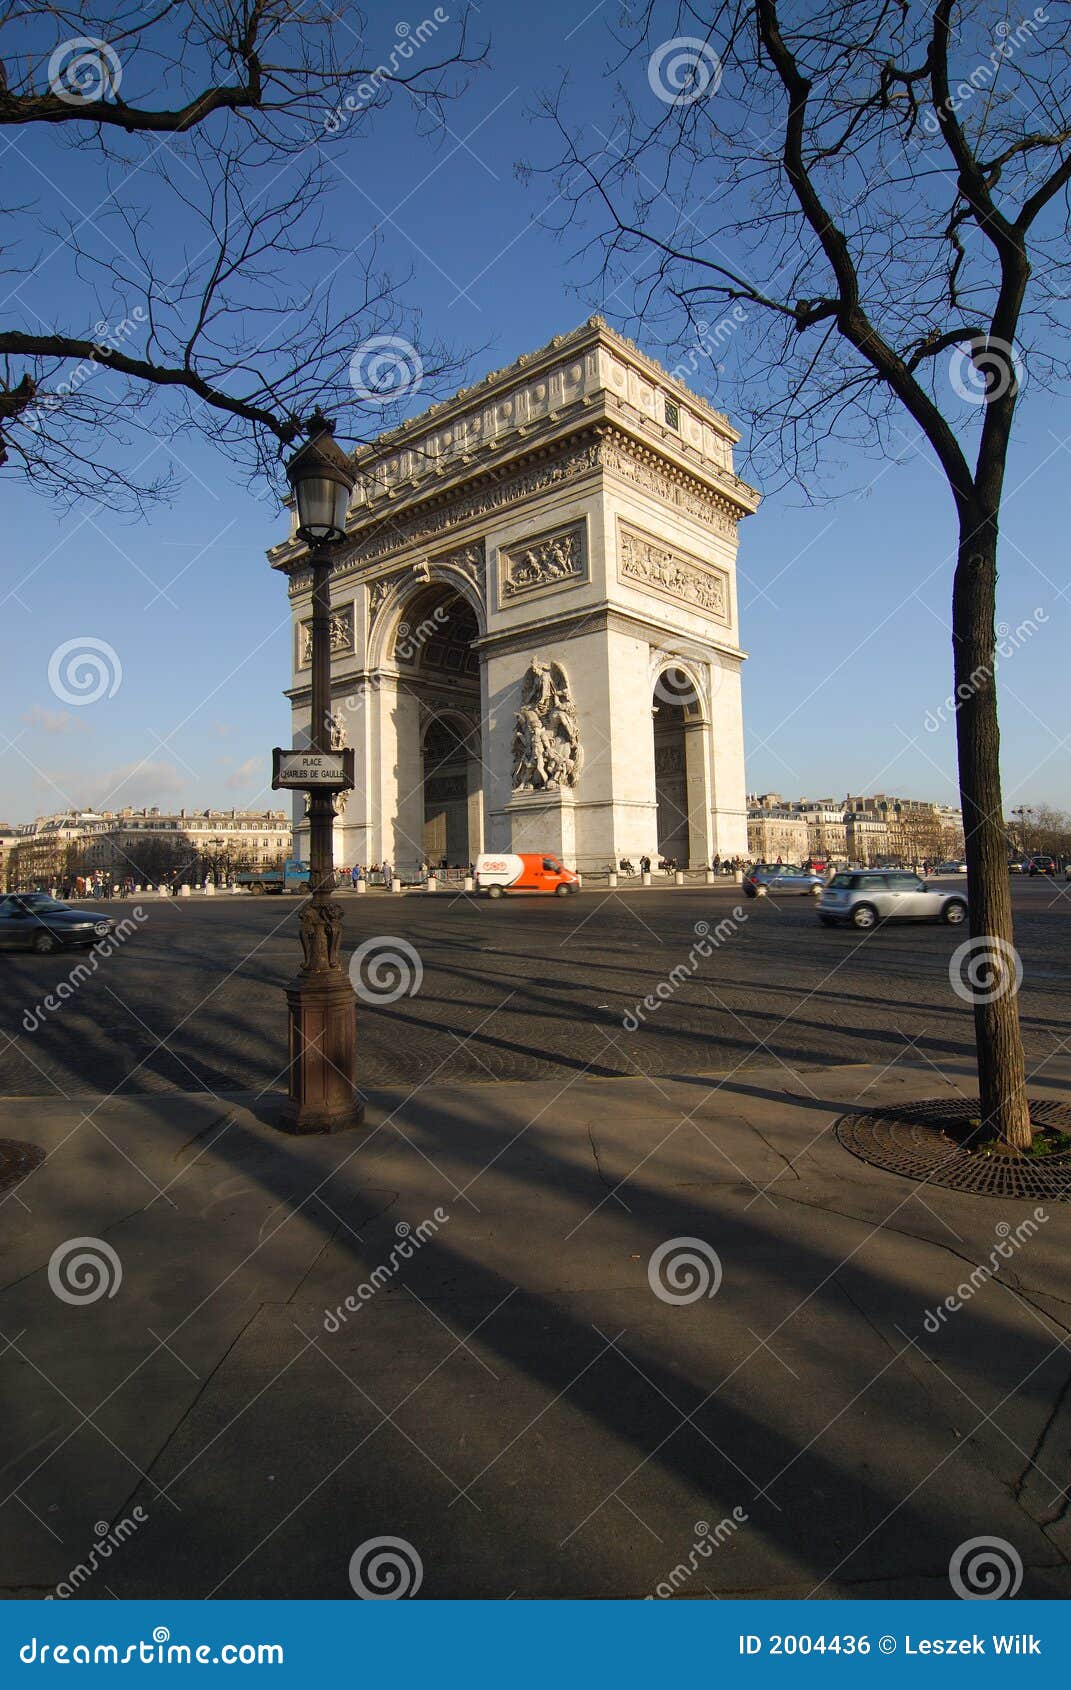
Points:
[(433, 651), (679, 756), (446, 769)]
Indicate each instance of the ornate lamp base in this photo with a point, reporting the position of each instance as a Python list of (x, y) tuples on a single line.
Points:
[(322, 1055)]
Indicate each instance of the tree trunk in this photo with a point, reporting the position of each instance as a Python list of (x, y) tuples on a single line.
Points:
[(989, 972)]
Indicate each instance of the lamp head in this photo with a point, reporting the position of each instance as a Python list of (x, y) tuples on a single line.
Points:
[(322, 480)]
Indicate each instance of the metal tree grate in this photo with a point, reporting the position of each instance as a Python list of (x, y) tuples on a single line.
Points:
[(924, 1142), (17, 1159)]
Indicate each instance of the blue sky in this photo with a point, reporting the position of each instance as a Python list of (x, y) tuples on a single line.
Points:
[(844, 603)]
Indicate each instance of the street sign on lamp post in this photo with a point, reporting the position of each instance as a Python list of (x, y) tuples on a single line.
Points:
[(321, 1005)]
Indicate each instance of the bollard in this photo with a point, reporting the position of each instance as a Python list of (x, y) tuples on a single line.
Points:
[(611, 878), (431, 884), (470, 884), (396, 886), (361, 886), (738, 876), (210, 890), (678, 877), (161, 891), (710, 877), (645, 878), (183, 891)]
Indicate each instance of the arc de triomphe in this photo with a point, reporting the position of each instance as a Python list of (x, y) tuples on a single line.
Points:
[(535, 634)]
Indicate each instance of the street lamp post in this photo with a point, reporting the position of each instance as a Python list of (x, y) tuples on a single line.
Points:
[(322, 1008)]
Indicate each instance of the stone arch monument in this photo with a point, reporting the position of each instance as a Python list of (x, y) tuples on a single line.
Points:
[(535, 638)]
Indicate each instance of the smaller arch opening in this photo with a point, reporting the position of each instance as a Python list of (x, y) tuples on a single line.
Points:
[(677, 713)]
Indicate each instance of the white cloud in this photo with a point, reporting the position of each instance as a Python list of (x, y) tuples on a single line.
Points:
[(138, 784), (53, 721), (250, 773)]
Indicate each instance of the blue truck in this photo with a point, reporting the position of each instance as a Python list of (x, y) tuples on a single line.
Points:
[(292, 877)]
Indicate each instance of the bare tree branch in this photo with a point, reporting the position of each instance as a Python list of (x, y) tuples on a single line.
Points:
[(205, 273)]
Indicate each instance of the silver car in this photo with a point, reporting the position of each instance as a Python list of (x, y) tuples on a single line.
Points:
[(864, 898), (767, 877)]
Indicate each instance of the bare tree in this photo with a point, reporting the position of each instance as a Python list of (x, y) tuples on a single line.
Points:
[(187, 183), (1050, 831), (872, 196)]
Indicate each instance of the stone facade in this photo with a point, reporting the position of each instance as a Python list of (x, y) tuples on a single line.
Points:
[(873, 830), (773, 836), (573, 518), (145, 845)]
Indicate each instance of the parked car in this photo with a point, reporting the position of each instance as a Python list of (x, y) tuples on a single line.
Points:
[(526, 871), (951, 868), (36, 922), (871, 896), (789, 877)]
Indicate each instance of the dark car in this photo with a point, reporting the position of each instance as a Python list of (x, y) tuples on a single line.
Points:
[(32, 921), (1041, 865)]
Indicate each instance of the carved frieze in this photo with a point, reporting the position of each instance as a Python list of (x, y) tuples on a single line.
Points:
[(443, 787), (614, 453), (379, 591), (547, 561), (467, 561), (669, 760), (652, 564), (688, 497), (341, 636), (426, 525)]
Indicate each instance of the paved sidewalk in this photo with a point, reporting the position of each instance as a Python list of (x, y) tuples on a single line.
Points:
[(515, 1400)]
